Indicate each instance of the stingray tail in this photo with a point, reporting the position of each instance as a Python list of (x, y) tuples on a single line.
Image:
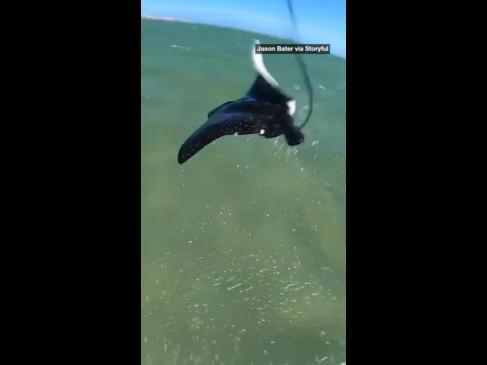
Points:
[(302, 67)]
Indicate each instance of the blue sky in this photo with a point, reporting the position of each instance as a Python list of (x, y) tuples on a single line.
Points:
[(319, 21)]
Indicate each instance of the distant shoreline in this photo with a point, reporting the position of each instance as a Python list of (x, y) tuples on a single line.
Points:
[(164, 18)]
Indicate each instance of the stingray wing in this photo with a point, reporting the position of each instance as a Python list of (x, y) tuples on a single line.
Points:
[(263, 91), (220, 124), (218, 108)]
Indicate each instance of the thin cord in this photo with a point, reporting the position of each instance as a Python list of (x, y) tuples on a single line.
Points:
[(302, 67)]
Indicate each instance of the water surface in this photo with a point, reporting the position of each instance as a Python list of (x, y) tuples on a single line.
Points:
[(243, 247)]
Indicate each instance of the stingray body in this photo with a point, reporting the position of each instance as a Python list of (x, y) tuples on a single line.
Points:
[(264, 110)]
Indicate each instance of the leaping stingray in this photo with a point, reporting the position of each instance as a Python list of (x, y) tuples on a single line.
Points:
[(263, 110)]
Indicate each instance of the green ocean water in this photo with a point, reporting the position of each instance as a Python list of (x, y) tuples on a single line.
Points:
[(243, 246)]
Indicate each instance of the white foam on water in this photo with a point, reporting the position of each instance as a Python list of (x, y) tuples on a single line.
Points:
[(178, 46)]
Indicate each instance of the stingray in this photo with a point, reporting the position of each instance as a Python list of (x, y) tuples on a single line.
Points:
[(264, 110)]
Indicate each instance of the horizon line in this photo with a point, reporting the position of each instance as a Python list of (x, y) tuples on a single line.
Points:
[(177, 20)]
